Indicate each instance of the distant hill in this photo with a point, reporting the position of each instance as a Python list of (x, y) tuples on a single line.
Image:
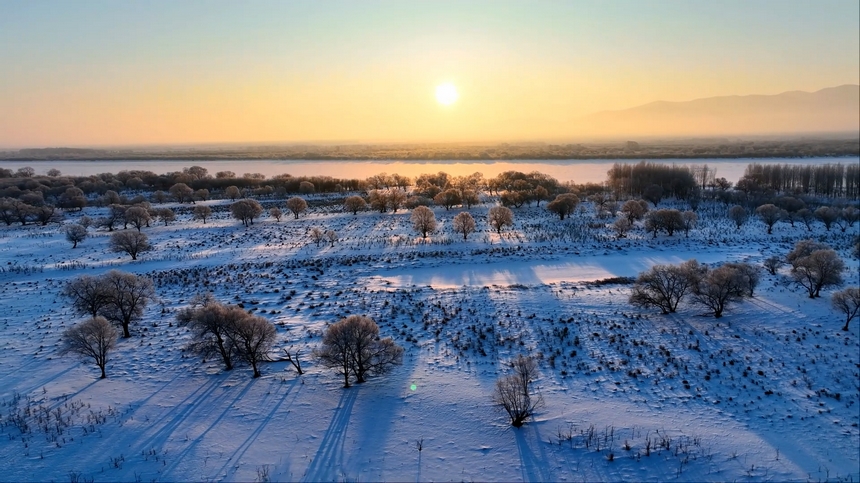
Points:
[(835, 109)]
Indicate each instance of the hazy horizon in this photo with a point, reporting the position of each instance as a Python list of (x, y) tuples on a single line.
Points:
[(96, 73)]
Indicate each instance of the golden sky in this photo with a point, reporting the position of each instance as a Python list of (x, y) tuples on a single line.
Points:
[(89, 73)]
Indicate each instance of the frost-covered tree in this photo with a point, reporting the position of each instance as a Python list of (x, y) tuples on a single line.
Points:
[(138, 217), (738, 214), (210, 323), (253, 336), (130, 242), (622, 226), (246, 210), (423, 220), (297, 205), (513, 392), (664, 286), (464, 223), (91, 339), (563, 204), (827, 215), (276, 213), (165, 215), (317, 235), (769, 214), (395, 199), (354, 204), (331, 236), (75, 234), (306, 187), (634, 210), (448, 198), (202, 212), (847, 302), (232, 192), (181, 192), (352, 346), (819, 269), (499, 217)]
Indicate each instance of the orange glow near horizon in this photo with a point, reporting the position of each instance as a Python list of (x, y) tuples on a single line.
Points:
[(284, 72)]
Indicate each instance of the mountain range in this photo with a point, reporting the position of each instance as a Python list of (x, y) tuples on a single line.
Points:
[(834, 109)]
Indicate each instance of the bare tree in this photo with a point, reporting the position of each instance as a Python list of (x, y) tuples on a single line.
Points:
[(275, 213), (464, 223), (127, 297), (739, 215), (664, 286), (131, 242), (91, 339), (138, 216), (769, 215), (353, 347), (202, 194), (87, 293), (75, 234), (423, 220), (772, 264), (848, 302), (689, 220), (719, 287), (819, 269), (354, 204), (253, 336), (500, 217), (166, 215), (513, 392), (297, 205), (246, 210), (202, 212)]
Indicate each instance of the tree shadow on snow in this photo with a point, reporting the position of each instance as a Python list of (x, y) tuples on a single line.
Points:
[(329, 457)]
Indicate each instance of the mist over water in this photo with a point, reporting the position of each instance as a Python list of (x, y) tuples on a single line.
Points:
[(579, 171)]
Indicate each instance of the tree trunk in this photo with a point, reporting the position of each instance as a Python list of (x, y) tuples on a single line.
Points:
[(104, 376)]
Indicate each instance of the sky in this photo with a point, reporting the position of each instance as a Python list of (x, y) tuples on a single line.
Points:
[(116, 73)]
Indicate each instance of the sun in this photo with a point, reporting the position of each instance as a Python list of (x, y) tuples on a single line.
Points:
[(446, 94)]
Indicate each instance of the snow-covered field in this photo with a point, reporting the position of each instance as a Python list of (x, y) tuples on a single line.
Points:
[(769, 392)]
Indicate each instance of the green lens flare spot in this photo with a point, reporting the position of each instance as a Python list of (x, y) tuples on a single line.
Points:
[(413, 387)]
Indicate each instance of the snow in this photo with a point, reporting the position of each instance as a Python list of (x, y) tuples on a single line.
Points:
[(461, 309)]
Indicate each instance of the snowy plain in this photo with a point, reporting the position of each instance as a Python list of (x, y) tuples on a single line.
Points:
[(769, 392)]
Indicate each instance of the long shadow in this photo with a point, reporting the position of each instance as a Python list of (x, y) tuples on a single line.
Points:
[(243, 448), (533, 466), (329, 456)]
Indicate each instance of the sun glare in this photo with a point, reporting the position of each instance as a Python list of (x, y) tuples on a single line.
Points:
[(446, 94)]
